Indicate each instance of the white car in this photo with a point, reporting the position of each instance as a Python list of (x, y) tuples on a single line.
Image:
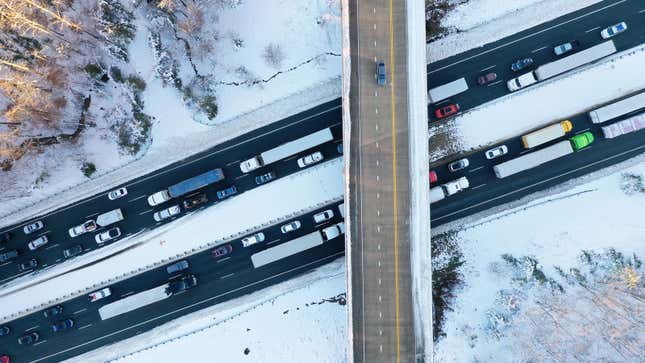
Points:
[(290, 227), (323, 216), (496, 152), (98, 295), (333, 231), (108, 235), (158, 198), (33, 227), (310, 159), (251, 240), (167, 213), (613, 30), (38, 242), (117, 193), (88, 226)]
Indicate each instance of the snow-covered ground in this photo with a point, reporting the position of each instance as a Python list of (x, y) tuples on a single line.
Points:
[(308, 38), (312, 188), (572, 93)]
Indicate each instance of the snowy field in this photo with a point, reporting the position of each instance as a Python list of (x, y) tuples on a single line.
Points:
[(305, 73), (570, 94), (316, 186)]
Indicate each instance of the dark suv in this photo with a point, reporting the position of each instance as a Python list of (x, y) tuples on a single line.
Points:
[(265, 178), (53, 311), (195, 200), (520, 64), (28, 265), (9, 255), (72, 251), (5, 237), (29, 339), (182, 284)]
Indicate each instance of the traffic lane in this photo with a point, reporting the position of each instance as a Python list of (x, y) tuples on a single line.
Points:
[(598, 155), (201, 264), (138, 220)]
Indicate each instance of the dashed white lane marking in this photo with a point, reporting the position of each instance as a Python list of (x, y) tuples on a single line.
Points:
[(85, 326), (374, 10), (52, 246), (132, 200), (375, 93), (537, 50), (494, 83), (474, 170), (378, 195), (641, 11), (233, 162), (41, 342), (374, 26), (376, 127), (32, 328), (127, 293), (378, 178), (147, 211), (592, 29), (92, 215), (479, 186), (79, 311), (487, 68), (375, 43), (227, 276), (377, 163)]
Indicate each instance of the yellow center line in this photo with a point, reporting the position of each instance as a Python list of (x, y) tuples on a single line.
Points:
[(395, 219)]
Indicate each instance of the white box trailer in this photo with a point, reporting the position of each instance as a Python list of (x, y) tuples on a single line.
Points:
[(447, 90), (133, 302), (575, 60), (287, 249), (623, 127), (546, 134), (110, 217), (617, 109), (531, 160), (287, 149)]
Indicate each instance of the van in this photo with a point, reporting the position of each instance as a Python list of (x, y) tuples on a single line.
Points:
[(110, 217), (177, 266), (334, 231)]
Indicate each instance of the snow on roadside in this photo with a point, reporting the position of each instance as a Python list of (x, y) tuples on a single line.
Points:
[(480, 22), (572, 93), (315, 185), (303, 319), (554, 230)]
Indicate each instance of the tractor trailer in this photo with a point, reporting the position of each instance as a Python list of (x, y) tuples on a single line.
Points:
[(186, 186), (447, 90), (562, 65), (617, 109), (445, 190), (632, 124), (546, 134), (286, 150)]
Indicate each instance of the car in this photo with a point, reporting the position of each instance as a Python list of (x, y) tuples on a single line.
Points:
[(225, 193), (9, 255), (5, 237), (29, 339), (290, 227), (53, 311), (323, 216), (613, 30), (88, 226), (195, 200), (582, 140), (381, 75), (181, 284), (28, 265), (108, 235), (520, 64), (166, 213), (5, 359), (496, 152), (310, 159), (38, 242), (433, 176), (4, 330), (117, 193), (334, 231), (446, 111), (159, 197), (486, 78), (458, 165), (62, 325), (566, 47), (222, 251), (33, 227), (265, 178), (177, 266), (253, 239), (98, 295), (72, 251)]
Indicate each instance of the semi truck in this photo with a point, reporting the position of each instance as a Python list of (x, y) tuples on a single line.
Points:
[(110, 217), (287, 249), (133, 302), (617, 109), (562, 65), (445, 190), (632, 124), (546, 134), (186, 186), (539, 157), (447, 90), (287, 149)]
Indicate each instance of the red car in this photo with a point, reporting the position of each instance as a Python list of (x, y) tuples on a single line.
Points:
[(446, 111), (4, 359), (222, 251), (433, 176)]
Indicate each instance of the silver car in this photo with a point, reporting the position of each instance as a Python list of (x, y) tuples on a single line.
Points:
[(310, 159), (496, 152), (117, 193), (38, 242), (33, 227), (167, 213), (323, 216), (290, 227), (458, 165), (251, 240), (108, 235)]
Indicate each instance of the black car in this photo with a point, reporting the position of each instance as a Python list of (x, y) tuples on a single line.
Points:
[(28, 265), (265, 178), (195, 200), (5, 237), (62, 325), (53, 311), (4, 330), (29, 339), (182, 284), (9, 255), (520, 64), (72, 251)]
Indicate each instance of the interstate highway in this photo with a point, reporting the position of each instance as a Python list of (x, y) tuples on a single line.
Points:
[(537, 42), (218, 280)]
